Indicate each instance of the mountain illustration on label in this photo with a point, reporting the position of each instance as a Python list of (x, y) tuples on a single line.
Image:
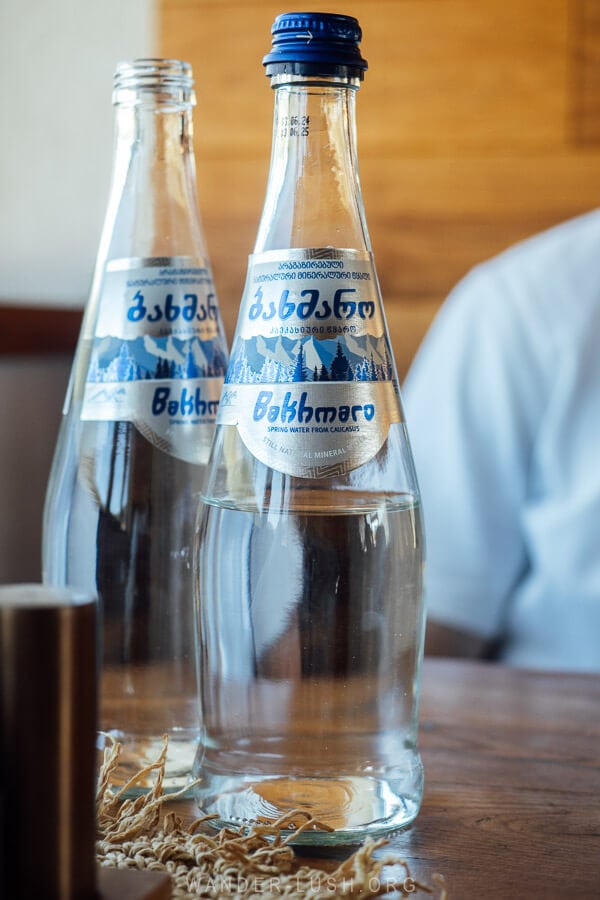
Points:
[(277, 360), (145, 357)]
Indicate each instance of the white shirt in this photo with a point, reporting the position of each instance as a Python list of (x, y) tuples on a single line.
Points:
[(503, 412)]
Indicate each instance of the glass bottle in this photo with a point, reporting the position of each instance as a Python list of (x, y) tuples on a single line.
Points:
[(138, 422), (309, 545)]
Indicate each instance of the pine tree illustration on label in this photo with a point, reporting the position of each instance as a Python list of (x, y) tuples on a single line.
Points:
[(311, 384)]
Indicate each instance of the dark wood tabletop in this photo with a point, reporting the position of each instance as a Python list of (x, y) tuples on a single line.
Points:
[(512, 783), (511, 809)]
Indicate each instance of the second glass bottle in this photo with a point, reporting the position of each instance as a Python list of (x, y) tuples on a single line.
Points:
[(138, 422)]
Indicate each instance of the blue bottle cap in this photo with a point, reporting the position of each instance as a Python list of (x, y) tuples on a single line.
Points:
[(315, 44)]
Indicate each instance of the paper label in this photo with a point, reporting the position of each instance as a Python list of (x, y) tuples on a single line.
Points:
[(158, 353), (311, 384)]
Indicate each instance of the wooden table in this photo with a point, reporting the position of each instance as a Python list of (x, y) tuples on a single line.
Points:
[(512, 783)]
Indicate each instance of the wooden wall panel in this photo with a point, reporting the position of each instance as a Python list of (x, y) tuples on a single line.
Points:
[(478, 125), (445, 75), (38, 330), (586, 64)]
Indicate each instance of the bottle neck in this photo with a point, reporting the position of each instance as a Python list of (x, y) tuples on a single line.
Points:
[(313, 196), (152, 209)]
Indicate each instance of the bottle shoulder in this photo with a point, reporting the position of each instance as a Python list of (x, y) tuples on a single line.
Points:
[(238, 478)]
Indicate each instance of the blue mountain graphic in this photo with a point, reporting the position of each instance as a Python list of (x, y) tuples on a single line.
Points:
[(266, 360), (115, 359)]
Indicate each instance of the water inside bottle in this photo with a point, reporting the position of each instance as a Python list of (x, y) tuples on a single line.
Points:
[(311, 632), (129, 511)]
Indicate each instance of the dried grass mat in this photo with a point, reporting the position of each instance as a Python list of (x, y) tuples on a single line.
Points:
[(259, 863)]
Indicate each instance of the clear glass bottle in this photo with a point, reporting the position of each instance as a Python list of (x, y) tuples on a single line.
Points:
[(138, 422), (309, 545)]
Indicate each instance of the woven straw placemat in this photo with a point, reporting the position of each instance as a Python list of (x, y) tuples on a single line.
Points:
[(259, 863)]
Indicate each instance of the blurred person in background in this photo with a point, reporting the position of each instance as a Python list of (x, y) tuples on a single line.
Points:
[(503, 411)]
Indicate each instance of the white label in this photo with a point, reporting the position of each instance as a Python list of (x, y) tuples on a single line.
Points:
[(311, 384), (158, 354)]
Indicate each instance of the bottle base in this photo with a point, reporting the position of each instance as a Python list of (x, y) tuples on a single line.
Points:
[(345, 810)]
